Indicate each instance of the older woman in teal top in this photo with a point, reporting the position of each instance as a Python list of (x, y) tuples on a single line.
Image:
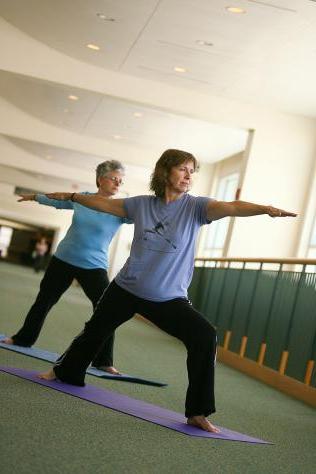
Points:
[(155, 277), (82, 255)]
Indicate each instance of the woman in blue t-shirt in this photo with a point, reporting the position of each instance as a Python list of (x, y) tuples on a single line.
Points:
[(155, 277), (82, 255)]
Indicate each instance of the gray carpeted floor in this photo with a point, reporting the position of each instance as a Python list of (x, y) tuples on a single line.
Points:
[(46, 431)]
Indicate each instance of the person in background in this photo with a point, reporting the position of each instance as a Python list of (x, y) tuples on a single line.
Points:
[(155, 277), (40, 252), (82, 255)]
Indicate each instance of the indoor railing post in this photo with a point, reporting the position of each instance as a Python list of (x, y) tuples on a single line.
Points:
[(231, 316), (263, 347), (199, 290), (310, 363), (221, 295), (207, 288), (285, 353), (244, 339)]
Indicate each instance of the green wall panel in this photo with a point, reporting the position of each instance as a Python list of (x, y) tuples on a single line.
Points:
[(278, 324), (302, 332), (241, 308), (278, 308), (260, 312)]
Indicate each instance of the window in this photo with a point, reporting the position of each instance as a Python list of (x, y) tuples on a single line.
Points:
[(5, 239), (217, 232), (311, 252)]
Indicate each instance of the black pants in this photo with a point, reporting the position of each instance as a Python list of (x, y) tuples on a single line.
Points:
[(177, 317), (39, 263), (57, 279)]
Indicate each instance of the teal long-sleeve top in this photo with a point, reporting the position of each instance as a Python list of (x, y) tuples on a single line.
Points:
[(87, 240)]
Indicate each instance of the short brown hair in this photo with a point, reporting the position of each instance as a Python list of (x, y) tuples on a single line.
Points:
[(168, 160)]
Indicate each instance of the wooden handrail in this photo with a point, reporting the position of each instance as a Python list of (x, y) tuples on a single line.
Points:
[(292, 261)]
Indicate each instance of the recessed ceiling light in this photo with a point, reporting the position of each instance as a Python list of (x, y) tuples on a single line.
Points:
[(179, 69), (117, 137), (105, 17), (95, 47), (235, 10), (137, 114), (73, 97), (204, 43)]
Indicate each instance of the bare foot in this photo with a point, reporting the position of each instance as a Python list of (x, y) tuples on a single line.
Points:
[(203, 423), (8, 340), (49, 375), (109, 369)]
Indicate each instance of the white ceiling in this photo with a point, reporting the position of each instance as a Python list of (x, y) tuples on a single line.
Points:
[(56, 154), (266, 55), (71, 169), (112, 119)]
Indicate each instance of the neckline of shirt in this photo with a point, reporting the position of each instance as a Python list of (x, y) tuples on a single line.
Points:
[(165, 204)]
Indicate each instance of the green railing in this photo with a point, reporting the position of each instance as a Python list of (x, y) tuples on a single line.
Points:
[(264, 310)]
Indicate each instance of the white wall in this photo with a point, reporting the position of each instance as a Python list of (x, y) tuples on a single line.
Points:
[(278, 173), (309, 215)]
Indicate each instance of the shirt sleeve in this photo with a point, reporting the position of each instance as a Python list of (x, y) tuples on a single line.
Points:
[(201, 203), (42, 199), (131, 206)]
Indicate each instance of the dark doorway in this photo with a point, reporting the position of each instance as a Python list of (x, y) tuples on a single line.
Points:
[(19, 241)]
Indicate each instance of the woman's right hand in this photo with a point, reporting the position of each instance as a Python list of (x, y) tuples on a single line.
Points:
[(26, 197)]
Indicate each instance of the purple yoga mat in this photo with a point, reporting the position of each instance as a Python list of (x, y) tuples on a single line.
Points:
[(131, 406)]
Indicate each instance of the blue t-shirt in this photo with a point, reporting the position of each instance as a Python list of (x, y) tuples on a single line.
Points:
[(87, 240), (161, 261)]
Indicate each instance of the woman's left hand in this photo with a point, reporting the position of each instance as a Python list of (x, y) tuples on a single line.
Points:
[(275, 212)]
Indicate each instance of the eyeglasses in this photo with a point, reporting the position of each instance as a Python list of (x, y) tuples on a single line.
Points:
[(115, 180)]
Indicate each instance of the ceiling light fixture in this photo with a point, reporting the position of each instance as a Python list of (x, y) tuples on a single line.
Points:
[(179, 69), (104, 17), (235, 10), (117, 137), (204, 43), (73, 97), (137, 114), (95, 47)]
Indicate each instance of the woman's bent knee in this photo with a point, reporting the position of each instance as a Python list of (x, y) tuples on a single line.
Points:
[(204, 338), (209, 336)]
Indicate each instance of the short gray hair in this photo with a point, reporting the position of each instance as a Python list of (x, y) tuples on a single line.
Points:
[(106, 166)]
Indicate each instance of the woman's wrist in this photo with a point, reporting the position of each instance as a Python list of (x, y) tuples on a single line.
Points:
[(266, 209)]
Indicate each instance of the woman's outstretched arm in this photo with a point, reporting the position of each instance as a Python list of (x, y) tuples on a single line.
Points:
[(43, 199), (94, 201), (218, 209)]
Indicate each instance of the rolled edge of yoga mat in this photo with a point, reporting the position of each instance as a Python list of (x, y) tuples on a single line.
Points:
[(53, 356)]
